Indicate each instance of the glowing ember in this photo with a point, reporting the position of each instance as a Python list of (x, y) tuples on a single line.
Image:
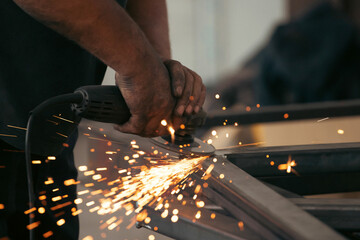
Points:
[(164, 123), (241, 225), (60, 222), (200, 204), (174, 218), (340, 131), (172, 133), (198, 215), (41, 210)]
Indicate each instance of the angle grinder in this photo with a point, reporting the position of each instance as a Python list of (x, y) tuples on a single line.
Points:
[(106, 104)]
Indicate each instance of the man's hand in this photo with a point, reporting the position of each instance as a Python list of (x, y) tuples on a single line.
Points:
[(149, 102), (187, 86)]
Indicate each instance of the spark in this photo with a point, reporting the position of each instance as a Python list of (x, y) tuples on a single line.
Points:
[(217, 96), (60, 222), (340, 131), (174, 218), (200, 204), (48, 234), (64, 119), (7, 135), (33, 225), (213, 133), (163, 122), (41, 210), (21, 128), (198, 215), (241, 225), (288, 166), (172, 133), (320, 120), (149, 184)]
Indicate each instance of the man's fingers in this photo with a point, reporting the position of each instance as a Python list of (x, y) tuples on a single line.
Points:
[(177, 77), (182, 103)]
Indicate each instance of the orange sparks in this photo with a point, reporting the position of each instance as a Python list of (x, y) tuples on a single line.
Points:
[(30, 210), (69, 182), (174, 218), (48, 234), (88, 238), (163, 122), (200, 204), (340, 131), (33, 225), (241, 225), (286, 115), (41, 210), (172, 133)]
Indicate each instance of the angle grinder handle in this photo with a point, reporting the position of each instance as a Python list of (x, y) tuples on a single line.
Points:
[(102, 104)]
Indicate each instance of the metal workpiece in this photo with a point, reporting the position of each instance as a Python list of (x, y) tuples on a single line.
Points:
[(280, 216), (320, 168), (310, 159), (292, 111), (189, 228), (340, 214)]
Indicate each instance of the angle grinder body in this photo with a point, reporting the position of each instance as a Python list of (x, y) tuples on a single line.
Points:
[(106, 104)]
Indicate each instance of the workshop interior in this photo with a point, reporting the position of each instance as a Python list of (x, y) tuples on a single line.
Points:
[(273, 154)]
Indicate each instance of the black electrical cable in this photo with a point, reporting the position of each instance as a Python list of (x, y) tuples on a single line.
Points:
[(59, 100)]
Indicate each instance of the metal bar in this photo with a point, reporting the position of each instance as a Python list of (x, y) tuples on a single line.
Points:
[(273, 211), (293, 111), (317, 183), (310, 159), (340, 214)]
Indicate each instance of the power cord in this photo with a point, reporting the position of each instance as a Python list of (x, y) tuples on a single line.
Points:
[(59, 100)]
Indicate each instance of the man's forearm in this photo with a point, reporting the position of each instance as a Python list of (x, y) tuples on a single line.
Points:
[(152, 18), (101, 27)]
